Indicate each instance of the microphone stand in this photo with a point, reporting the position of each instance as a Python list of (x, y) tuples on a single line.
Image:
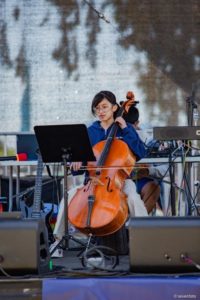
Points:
[(192, 114), (172, 190), (66, 158), (191, 106)]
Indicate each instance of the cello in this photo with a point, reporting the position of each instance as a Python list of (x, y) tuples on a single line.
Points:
[(100, 206)]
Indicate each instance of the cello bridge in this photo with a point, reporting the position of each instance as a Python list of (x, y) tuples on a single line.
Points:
[(96, 181)]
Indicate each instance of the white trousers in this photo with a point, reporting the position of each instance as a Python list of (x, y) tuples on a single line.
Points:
[(135, 204)]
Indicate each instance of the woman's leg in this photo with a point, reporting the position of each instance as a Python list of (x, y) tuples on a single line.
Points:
[(150, 194), (59, 229), (135, 203)]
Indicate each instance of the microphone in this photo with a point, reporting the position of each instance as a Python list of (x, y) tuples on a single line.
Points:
[(18, 157)]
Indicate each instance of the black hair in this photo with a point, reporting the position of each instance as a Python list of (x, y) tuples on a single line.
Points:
[(100, 96), (132, 116)]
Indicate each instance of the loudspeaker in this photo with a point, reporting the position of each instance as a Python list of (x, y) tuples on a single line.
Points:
[(23, 245), (164, 244)]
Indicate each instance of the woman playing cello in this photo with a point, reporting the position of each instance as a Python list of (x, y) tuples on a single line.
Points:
[(104, 106)]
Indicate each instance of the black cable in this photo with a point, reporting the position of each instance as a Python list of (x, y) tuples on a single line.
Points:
[(4, 272), (189, 195), (159, 180), (149, 148), (197, 210)]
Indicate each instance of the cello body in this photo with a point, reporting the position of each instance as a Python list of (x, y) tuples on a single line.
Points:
[(105, 188)]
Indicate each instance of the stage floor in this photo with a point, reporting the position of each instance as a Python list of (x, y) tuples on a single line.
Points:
[(69, 279)]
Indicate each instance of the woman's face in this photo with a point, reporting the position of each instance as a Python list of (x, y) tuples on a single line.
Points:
[(105, 110)]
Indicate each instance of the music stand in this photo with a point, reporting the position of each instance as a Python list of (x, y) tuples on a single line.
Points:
[(64, 144)]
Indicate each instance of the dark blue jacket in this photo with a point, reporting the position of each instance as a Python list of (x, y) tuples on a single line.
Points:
[(128, 135)]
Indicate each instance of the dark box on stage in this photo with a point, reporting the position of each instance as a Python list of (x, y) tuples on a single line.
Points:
[(27, 143), (24, 245), (168, 133), (161, 244)]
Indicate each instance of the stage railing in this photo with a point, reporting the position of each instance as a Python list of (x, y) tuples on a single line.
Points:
[(15, 166)]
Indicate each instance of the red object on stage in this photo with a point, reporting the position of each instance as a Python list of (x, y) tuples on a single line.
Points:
[(18, 157), (22, 156)]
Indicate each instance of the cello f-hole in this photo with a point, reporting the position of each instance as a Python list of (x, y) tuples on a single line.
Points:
[(108, 185), (87, 186)]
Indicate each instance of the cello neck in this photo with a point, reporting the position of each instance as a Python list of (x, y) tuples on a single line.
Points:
[(109, 140)]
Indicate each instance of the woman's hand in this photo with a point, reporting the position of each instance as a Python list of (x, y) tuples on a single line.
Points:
[(121, 122), (76, 165), (141, 173)]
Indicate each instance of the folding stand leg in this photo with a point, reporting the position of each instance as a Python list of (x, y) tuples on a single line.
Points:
[(85, 245), (66, 227), (65, 239)]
